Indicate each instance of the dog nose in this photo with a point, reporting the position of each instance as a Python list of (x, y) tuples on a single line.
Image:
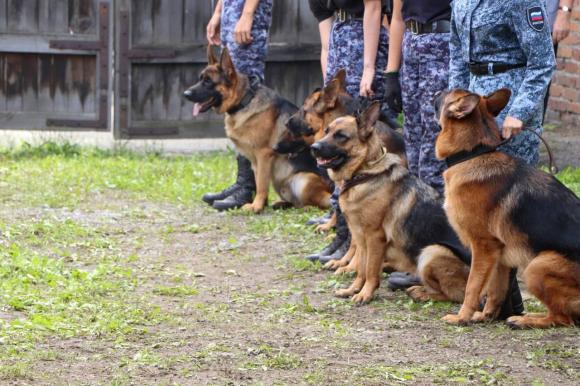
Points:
[(316, 146), (276, 147), (187, 94)]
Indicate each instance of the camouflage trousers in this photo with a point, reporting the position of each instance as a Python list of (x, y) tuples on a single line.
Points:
[(346, 50), (249, 59), (524, 146), (424, 72)]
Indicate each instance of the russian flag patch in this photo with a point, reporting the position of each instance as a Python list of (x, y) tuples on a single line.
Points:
[(536, 18)]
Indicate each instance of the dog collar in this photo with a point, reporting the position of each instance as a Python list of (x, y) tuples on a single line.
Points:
[(463, 156), (364, 177), (246, 99)]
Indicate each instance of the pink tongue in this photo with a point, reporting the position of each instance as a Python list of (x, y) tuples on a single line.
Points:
[(196, 108)]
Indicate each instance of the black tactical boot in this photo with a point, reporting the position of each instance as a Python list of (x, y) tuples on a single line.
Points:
[(336, 255), (245, 187), (513, 303), (342, 235), (209, 198), (320, 220)]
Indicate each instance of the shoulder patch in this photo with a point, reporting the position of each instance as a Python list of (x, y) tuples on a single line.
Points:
[(536, 19)]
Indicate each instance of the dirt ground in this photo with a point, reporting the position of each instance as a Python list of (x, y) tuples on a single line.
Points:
[(262, 315)]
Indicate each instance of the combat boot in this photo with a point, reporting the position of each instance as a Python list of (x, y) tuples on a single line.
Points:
[(245, 188), (342, 236), (210, 198)]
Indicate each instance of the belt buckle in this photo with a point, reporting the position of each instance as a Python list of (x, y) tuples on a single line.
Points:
[(489, 68), (414, 26), (341, 15)]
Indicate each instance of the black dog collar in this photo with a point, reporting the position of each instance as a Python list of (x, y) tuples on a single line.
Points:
[(364, 177), (463, 156), (246, 99)]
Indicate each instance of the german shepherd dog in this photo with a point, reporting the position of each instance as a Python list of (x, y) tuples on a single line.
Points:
[(322, 107), (326, 104), (509, 213), (393, 216), (254, 120)]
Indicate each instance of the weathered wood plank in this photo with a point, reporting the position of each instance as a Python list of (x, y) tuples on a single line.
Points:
[(141, 21), (13, 88), (82, 16), (3, 15), (196, 14), (22, 16)]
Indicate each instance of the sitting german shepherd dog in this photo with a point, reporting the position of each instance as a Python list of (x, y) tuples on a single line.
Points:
[(393, 216), (509, 213), (254, 121), (324, 105)]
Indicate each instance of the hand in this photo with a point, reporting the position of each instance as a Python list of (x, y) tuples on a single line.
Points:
[(366, 83), (213, 30), (511, 127), (561, 28), (392, 95), (243, 31)]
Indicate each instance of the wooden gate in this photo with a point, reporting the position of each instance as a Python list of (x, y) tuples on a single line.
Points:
[(162, 49), (54, 64)]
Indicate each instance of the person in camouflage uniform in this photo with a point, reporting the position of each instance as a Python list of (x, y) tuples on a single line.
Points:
[(249, 57), (346, 50), (511, 33), (243, 27), (420, 34)]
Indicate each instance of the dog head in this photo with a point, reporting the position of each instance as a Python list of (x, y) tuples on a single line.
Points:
[(468, 120), (217, 83), (289, 143), (320, 108), (347, 140)]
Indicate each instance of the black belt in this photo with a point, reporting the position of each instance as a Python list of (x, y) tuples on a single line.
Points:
[(436, 27), (342, 16), (492, 68)]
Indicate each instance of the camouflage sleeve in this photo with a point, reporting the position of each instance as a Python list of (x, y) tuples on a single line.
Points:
[(533, 33), (458, 67)]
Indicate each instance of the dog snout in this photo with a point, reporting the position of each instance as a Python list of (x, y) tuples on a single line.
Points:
[(276, 147), (316, 148), (188, 94)]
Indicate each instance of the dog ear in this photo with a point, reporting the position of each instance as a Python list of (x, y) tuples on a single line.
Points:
[(227, 65), (211, 58), (496, 101), (367, 119), (328, 95), (463, 106), (340, 77)]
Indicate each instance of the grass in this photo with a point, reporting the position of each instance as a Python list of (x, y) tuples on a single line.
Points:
[(65, 276)]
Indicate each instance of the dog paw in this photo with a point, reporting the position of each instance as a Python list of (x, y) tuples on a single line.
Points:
[(332, 265), (343, 270), (454, 319), (343, 293), (516, 322), (362, 297), (323, 228), (418, 293), (253, 208)]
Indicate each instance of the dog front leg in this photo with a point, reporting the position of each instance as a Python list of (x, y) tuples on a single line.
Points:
[(497, 287), (359, 281), (376, 245), (262, 172), (486, 254)]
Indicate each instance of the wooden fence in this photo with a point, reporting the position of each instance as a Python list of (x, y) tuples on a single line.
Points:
[(122, 65)]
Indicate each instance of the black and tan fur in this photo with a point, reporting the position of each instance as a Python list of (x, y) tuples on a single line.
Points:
[(510, 214), (394, 217), (254, 130)]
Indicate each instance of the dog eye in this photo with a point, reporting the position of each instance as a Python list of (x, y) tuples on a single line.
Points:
[(326, 130), (340, 136)]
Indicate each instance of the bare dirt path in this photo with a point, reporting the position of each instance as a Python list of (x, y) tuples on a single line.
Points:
[(239, 306)]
